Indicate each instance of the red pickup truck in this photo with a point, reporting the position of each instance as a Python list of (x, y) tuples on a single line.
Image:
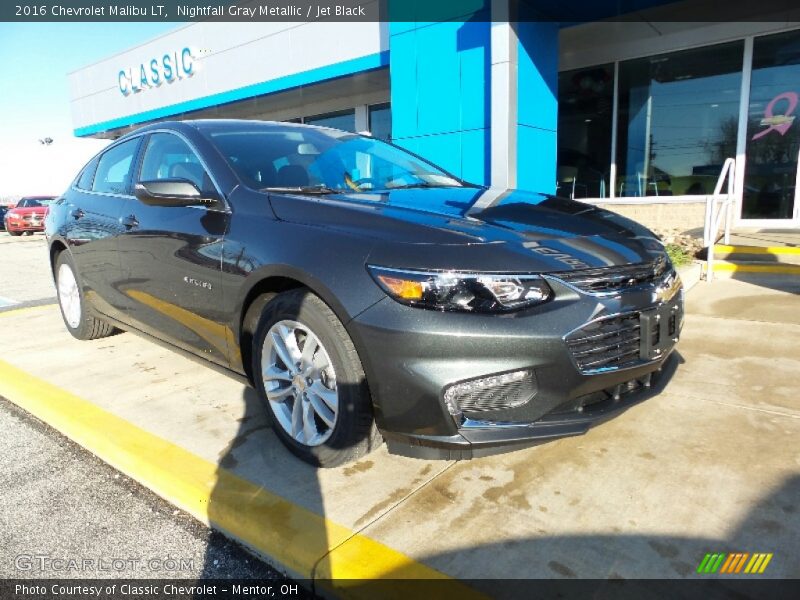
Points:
[(28, 215)]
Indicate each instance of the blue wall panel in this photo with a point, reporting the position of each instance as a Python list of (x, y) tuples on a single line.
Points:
[(536, 159), (537, 106), (440, 89)]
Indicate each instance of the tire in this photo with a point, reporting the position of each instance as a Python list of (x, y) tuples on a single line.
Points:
[(15, 233), (334, 371), (78, 317)]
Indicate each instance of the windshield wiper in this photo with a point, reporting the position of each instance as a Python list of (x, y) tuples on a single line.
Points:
[(302, 189), (421, 184)]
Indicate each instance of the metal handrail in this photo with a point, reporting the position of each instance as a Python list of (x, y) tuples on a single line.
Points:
[(718, 205)]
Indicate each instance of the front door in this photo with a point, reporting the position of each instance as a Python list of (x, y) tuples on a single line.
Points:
[(770, 194), (170, 256)]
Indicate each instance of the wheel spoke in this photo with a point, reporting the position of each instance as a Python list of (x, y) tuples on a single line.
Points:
[(324, 412), (329, 397), (281, 350), (279, 394), (309, 426), (297, 418), (275, 373), (290, 342), (309, 348)]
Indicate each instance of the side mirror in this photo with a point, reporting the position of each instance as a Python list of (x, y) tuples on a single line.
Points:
[(171, 192)]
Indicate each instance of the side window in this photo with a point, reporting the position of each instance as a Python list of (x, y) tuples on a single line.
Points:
[(114, 167), (87, 175), (168, 157)]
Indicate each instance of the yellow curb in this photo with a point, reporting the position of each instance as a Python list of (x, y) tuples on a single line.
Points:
[(757, 249), (288, 534), (782, 269), (13, 312)]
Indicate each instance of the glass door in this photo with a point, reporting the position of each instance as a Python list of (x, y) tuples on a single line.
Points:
[(773, 134)]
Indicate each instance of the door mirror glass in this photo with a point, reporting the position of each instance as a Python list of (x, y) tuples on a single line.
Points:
[(170, 192)]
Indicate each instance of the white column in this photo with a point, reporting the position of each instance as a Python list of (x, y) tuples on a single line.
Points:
[(503, 97), (362, 118)]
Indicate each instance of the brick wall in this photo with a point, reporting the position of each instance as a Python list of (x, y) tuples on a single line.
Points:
[(686, 217)]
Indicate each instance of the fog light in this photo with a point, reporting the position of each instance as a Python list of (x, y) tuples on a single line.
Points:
[(497, 392)]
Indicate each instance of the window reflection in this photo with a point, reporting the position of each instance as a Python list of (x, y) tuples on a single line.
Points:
[(773, 137), (585, 106), (678, 120), (344, 120), (380, 121)]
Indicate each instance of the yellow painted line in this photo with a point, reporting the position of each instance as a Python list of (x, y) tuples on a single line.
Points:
[(780, 269), (295, 537), (18, 311), (757, 249), (765, 563)]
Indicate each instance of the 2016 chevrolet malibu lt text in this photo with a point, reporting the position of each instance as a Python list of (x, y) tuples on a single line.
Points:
[(365, 293)]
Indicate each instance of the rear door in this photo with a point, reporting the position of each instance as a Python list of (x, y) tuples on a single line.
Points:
[(94, 206), (171, 256)]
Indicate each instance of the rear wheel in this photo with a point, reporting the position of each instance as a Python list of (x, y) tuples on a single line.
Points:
[(309, 374), (78, 317)]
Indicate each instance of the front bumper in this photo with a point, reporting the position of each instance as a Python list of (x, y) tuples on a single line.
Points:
[(412, 355), (16, 226)]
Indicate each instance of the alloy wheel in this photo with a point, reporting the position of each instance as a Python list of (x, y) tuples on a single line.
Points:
[(69, 296), (300, 382)]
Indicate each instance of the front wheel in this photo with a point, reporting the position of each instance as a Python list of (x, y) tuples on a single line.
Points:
[(78, 318), (15, 233), (309, 374)]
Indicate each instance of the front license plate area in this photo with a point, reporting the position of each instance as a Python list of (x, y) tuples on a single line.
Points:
[(659, 329)]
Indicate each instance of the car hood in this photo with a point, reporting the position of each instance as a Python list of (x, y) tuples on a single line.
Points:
[(446, 228)]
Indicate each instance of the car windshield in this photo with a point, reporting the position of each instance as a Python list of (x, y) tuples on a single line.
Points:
[(318, 160), (33, 202)]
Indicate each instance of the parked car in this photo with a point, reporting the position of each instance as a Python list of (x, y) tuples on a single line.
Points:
[(3, 211), (28, 215), (363, 291)]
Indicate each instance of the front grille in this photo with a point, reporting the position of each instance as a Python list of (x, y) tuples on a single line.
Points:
[(610, 279), (610, 343)]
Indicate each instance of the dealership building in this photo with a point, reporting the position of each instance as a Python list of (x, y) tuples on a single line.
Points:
[(641, 114)]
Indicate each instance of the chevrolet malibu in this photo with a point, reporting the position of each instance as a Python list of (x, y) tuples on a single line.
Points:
[(366, 294)]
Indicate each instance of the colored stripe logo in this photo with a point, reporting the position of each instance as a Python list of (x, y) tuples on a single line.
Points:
[(734, 563)]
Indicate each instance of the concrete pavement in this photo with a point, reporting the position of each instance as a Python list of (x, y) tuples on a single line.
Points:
[(710, 464)]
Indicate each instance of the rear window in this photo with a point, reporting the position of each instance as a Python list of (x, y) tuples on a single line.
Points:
[(114, 167), (84, 181)]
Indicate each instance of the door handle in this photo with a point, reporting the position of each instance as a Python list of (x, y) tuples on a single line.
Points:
[(77, 213), (130, 221)]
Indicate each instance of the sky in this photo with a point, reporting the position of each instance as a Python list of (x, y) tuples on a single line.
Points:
[(34, 98)]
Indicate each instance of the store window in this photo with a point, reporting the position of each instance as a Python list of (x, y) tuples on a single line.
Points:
[(380, 121), (585, 108), (678, 120), (773, 136), (344, 120)]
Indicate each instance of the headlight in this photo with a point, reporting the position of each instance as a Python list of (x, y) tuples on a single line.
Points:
[(467, 292)]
